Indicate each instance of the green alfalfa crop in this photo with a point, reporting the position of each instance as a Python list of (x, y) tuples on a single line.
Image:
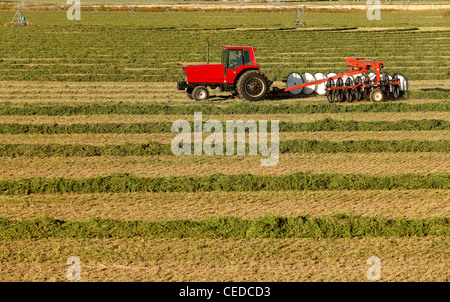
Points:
[(331, 226), (140, 108), (165, 127), (124, 183), (156, 148)]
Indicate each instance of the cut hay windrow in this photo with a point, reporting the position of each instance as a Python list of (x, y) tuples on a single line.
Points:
[(165, 127), (236, 108), (126, 183), (335, 226), (289, 146)]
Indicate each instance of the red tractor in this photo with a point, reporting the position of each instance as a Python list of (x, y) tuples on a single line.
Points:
[(237, 73)]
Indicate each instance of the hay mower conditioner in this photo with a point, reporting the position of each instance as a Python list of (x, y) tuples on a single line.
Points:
[(239, 74)]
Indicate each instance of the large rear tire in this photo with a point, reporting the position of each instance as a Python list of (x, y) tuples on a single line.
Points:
[(253, 86)]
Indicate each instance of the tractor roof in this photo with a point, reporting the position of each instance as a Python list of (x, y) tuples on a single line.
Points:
[(237, 47)]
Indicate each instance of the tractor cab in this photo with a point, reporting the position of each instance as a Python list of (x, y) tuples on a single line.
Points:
[(236, 59)]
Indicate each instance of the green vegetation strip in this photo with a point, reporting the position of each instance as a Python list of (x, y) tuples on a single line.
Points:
[(236, 108), (123, 183), (335, 226), (290, 146), (164, 127)]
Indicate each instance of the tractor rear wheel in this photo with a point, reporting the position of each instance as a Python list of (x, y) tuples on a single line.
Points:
[(200, 93), (252, 86)]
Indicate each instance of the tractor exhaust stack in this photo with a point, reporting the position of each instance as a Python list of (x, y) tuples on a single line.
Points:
[(207, 51)]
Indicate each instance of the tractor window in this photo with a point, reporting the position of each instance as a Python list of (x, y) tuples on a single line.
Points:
[(224, 56), (247, 59), (234, 58)]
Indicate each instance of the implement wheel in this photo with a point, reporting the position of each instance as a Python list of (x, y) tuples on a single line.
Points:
[(339, 93), (358, 91), (348, 93), (368, 89), (377, 95), (395, 89), (330, 93)]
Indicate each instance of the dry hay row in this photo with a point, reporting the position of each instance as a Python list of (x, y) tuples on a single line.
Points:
[(167, 165), (215, 260), (244, 205), (102, 139)]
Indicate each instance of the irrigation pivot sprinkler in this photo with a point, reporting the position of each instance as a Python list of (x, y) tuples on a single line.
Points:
[(239, 74), (300, 16), (18, 19)]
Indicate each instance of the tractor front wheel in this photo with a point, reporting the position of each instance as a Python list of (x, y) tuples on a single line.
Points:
[(252, 86), (200, 93)]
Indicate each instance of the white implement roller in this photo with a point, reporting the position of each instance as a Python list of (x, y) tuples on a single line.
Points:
[(294, 79)]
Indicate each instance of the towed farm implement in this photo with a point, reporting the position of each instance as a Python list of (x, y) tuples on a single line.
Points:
[(239, 74)]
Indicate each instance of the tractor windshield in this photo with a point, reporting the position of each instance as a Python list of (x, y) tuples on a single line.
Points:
[(235, 58)]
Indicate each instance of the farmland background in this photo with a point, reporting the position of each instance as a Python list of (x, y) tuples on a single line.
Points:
[(86, 168)]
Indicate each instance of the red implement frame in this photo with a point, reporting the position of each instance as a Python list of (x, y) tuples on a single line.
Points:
[(356, 66)]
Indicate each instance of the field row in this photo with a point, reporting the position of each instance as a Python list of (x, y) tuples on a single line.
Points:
[(217, 20), (295, 146), (163, 206), (215, 260), (166, 166), (102, 139), (157, 95), (68, 120), (174, 97), (124, 183), (140, 108), (334, 226), (251, 126)]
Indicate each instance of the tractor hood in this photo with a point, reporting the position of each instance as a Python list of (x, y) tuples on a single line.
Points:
[(207, 73)]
